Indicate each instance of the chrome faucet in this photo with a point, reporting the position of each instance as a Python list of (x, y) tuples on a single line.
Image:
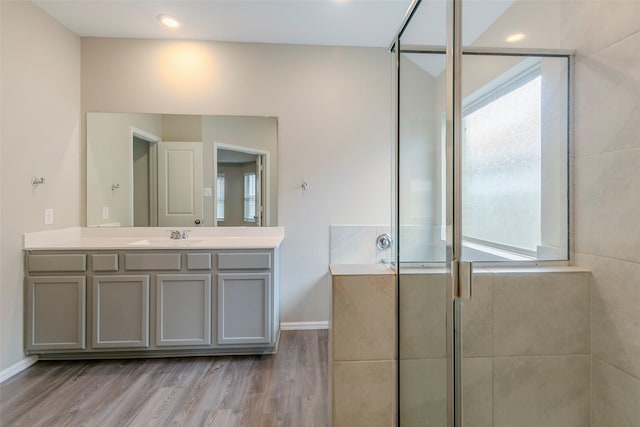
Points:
[(179, 235)]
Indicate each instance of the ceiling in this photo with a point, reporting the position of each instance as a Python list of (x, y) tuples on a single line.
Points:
[(314, 22)]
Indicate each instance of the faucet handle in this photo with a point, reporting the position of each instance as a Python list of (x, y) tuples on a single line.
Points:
[(185, 234)]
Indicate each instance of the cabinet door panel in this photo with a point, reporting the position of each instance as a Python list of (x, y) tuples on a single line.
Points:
[(56, 312), (120, 311), (244, 308), (183, 309)]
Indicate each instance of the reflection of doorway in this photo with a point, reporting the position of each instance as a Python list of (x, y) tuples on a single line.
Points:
[(144, 178), (241, 186)]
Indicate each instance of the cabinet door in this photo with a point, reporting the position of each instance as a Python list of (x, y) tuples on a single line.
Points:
[(244, 308), (120, 311), (56, 313), (183, 309)]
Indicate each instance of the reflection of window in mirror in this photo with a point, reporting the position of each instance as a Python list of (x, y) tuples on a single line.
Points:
[(250, 197), (220, 197)]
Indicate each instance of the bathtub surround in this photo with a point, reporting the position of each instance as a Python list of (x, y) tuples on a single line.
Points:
[(362, 346), (356, 244)]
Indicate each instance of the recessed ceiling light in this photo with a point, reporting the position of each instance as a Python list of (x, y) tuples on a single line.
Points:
[(515, 37), (169, 21)]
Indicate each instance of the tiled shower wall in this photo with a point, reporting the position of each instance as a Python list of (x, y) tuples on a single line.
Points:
[(526, 343), (607, 207)]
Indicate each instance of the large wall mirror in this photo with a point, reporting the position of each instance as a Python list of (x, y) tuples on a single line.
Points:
[(169, 170)]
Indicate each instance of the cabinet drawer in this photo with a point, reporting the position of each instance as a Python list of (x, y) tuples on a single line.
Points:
[(60, 262), (199, 261), (152, 261), (105, 262), (244, 261)]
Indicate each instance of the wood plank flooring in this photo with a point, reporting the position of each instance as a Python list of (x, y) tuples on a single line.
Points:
[(286, 389)]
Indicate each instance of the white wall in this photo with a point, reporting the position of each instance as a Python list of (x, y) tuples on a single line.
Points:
[(40, 137), (333, 109)]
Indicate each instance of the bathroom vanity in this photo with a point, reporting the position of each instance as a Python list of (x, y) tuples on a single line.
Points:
[(134, 292)]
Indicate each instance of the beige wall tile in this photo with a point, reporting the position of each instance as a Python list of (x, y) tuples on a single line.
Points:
[(615, 397), (364, 394), (363, 317), (422, 316), (549, 391), (423, 392), (607, 205), (541, 313), (607, 95), (477, 318), (477, 393), (615, 322)]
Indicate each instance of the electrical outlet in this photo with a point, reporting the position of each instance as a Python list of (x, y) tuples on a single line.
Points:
[(48, 216), (105, 212)]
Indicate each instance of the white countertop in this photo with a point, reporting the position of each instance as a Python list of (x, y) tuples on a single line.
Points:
[(83, 238)]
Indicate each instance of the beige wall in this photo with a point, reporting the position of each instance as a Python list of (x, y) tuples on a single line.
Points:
[(40, 137), (333, 112)]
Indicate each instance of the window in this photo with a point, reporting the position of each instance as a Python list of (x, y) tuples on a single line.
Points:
[(502, 167), (220, 197), (250, 197)]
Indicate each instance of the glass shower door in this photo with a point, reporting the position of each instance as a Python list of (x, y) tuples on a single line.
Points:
[(425, 370), (482, 181)]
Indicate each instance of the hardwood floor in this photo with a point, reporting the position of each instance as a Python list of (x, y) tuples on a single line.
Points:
[(286, 389)]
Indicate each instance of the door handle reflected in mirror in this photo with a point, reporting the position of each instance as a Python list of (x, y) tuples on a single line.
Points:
[(198, 221)]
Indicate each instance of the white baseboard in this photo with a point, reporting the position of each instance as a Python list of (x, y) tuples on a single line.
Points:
[(5, 374), (300, 326)]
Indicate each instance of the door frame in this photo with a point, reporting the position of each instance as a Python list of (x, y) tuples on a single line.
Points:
[(264, 185), (153, 141)]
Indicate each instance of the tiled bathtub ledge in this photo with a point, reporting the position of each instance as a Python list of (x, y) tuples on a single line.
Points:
[(360, 269), (498, 270)]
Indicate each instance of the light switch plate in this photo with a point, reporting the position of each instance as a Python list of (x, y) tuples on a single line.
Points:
[(206, 192), (105, 212), (48, 216)]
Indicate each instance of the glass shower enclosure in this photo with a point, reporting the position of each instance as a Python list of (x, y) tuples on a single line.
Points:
[(482, 154)]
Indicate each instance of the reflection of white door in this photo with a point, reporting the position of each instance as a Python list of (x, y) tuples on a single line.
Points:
[(179, 184)]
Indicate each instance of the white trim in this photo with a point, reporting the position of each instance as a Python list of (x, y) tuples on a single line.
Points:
[(17, 367), (300, 326)]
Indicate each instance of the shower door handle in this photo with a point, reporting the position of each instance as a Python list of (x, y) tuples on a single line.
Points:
[(462, 272)]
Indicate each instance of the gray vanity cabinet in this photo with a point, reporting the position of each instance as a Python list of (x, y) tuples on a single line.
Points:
[(120, 311), (183, 310), (141, 303), (246, 295), (244, 308), (55, 313)]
